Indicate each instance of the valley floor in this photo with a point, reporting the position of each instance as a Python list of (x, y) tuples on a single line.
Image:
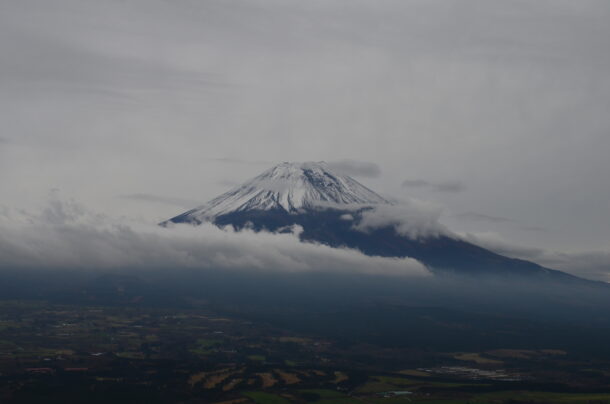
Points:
[(75, 353)]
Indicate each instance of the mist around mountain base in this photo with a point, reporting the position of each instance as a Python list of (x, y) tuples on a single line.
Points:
[(65, 254)]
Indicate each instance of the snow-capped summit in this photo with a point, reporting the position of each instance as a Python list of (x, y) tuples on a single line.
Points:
[(289, 187)]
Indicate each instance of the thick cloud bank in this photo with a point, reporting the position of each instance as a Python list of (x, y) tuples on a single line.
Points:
[(412, 218), (66, 236)]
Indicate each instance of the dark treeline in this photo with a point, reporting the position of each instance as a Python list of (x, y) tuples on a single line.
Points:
[(440, 313)]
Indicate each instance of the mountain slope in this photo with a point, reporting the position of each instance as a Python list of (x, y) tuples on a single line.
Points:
[(444, 254), (328, 206)]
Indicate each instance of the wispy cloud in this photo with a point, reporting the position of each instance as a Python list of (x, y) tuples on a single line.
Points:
[(534, 228), (449, 186), (230, 160), (415, 184), (481, 217), (185, 203), (411, 218), (587, 264), (443, 186), (356, 168)]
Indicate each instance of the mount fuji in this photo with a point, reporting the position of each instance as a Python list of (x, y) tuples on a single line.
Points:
[(331, 208), (288, 188)]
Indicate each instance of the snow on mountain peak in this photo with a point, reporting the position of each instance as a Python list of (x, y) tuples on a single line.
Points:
[(290, 187)]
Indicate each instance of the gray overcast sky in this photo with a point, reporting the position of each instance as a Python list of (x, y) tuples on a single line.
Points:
[(496, 110)]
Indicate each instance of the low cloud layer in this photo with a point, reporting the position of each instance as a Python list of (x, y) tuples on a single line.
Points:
[(411, 218), (65, 235)]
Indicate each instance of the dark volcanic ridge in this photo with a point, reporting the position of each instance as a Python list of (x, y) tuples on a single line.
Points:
[(329, 207)]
